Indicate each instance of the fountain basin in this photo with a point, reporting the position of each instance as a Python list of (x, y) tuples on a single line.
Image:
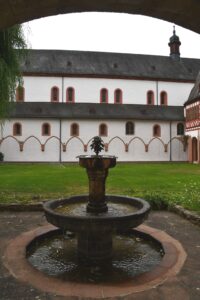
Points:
[(97, 222), (15, 260), (97, 162), (103, 215), (95, 231)]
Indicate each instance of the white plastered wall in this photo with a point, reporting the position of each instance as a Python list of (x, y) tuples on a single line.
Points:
[(116, 140), (177, 93), (38, 89)]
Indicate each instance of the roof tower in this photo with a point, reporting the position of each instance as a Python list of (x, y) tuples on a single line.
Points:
[(174, 44)]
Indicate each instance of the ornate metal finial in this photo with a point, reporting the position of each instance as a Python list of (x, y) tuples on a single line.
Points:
[(97, 145), (174, 29)]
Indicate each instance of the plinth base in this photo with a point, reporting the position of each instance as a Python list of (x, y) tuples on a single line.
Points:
[(92, 208), (95, 249)]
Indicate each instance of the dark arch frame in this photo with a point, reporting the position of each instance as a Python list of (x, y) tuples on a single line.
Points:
[(175, 11)]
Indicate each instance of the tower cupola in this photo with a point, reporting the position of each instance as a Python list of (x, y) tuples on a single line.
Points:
[(174, 44)]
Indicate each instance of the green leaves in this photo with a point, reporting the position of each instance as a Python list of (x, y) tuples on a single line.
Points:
[(12, 50), (97, 145)]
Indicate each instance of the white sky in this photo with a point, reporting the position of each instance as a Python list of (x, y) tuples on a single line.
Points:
[(109, 32)]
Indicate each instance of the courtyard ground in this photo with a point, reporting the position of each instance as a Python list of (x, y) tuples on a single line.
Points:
[(184, 286)]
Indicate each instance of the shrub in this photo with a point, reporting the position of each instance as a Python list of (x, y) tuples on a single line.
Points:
[(157, 200), (1, 156)]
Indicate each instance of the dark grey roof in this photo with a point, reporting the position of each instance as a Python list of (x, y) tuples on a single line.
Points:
[(96, 111), (195, 92), (101, 64)]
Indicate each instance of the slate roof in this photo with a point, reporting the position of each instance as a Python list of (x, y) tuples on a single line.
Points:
[(195, 92), (96, 111), (101, 64)]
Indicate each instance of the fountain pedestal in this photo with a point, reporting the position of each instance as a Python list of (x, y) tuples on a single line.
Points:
[(97, 171), (95, 249)]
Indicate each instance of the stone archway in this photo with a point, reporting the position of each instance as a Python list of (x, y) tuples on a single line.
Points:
[(182, 12)]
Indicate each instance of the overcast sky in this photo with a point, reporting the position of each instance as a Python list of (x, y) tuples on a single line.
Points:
[(109, 32)]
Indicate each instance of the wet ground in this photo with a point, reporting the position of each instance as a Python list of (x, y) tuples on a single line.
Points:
[(185, 286)]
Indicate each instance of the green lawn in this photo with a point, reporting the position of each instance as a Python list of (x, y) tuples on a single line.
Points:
[(168, 183)]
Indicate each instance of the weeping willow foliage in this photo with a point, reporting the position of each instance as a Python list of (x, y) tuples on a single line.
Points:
[(12, 51)]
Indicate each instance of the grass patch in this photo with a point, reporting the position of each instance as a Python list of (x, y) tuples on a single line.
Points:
[(167, 183)]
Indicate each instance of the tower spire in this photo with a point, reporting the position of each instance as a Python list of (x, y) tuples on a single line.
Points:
[(174, 44)]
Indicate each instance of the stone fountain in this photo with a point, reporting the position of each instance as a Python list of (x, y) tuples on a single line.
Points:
[(95, 223), (94, 251)]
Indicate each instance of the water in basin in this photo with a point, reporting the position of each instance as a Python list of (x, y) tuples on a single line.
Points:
[(79, 209), (132, 255)]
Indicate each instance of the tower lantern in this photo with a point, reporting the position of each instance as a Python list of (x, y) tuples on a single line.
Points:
[(174, 44)]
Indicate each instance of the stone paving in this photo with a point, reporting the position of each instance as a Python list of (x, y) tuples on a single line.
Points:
[(185, 286)]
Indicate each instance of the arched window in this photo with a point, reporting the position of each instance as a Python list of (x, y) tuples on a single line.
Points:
[(130, 128), (54, 94), (104, 96), (163, 98), (74, 130), (70, 95), (103, 130), (20, 94), (150, 98), (118, 96), (180, 129), (46, 129), (17, 129), (156, 130)]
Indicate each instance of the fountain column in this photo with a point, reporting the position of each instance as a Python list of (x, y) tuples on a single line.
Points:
[(93, 247), (97, 203), (97, 171)]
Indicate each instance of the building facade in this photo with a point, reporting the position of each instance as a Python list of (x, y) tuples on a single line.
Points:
[(192, 115), (134, 102)]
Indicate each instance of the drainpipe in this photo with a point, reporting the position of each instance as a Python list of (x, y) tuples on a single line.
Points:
[(60, 135), (60, 122), (1, 130), (62, 96), (156, 92), (170, 144)]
